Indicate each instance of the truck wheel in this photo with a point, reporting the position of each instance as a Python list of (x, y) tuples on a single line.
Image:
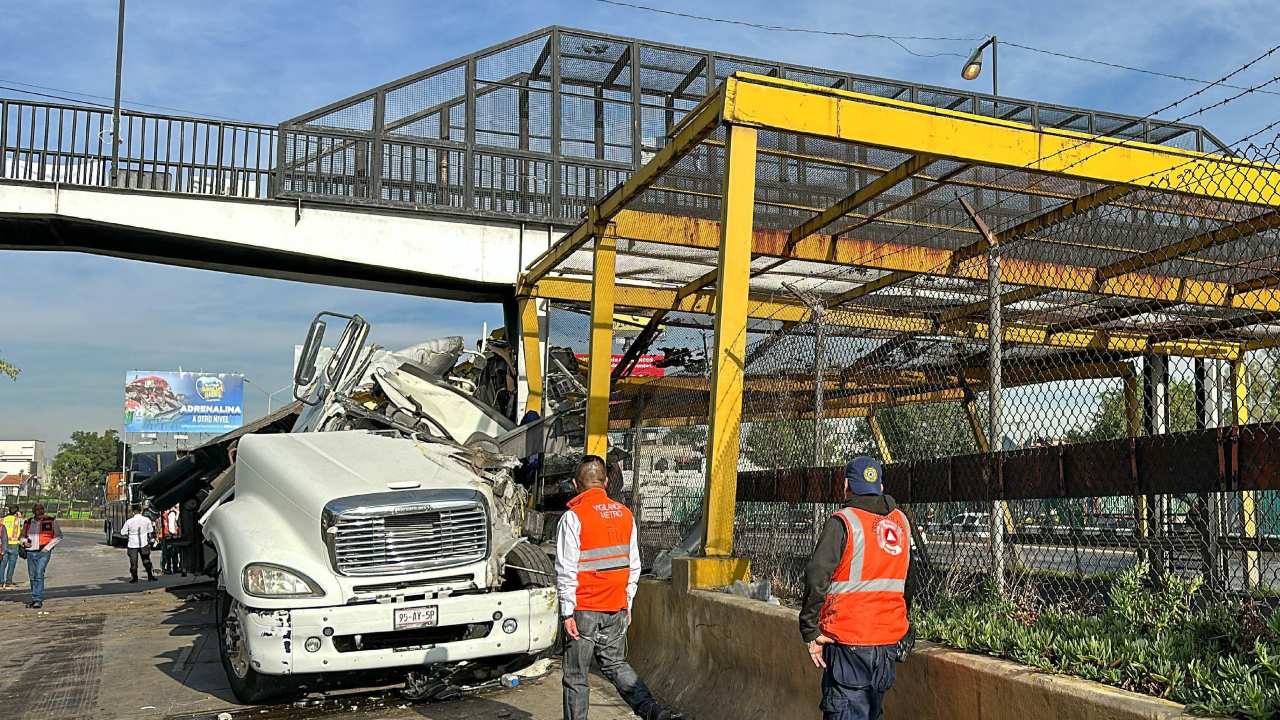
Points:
[(528, 567), (249, 686)]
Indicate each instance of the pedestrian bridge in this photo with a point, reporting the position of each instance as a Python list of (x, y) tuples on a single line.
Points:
[(371, 248)]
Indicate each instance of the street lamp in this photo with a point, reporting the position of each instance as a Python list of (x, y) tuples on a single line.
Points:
[(268, 395), (973, 68)]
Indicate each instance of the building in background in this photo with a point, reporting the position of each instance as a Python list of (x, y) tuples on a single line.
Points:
[(20, 484), (22, 457)]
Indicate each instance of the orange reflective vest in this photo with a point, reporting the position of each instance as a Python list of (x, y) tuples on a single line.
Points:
[(44, 527), (604, 559), (866, 603), (12, 529)]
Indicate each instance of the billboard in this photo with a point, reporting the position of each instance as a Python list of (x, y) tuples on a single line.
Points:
[(182, 402)]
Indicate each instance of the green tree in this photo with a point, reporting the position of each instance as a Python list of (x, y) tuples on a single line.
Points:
[(82, 464), (1110, 420), (925, 431), (789, 444), (8, 368)]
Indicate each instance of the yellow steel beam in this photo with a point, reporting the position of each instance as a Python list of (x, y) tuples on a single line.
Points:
[(601, 346), (975, 424), (1248, 498), (789, 106), (917, 259), (728, 366), (1015, 374), (698, 124), (636, 296), (999, 183), (862, 196), (877, 433), (531, 344)]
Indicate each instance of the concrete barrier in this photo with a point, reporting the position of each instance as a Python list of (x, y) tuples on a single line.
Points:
[(715, 655)]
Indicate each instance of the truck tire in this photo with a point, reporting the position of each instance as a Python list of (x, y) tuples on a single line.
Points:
[(528, 566), (249, 686)]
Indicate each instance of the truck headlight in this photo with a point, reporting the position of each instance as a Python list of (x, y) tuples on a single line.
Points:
[(266, 580)]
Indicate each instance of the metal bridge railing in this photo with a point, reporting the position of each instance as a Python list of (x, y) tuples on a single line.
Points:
[(49, 142)]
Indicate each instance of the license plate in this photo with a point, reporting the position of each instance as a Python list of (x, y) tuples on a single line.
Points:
[(416, 617)]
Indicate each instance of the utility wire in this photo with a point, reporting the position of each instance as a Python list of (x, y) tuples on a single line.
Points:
[(1130, 68), (895, 39)]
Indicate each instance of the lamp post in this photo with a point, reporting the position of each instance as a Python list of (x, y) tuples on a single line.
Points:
[(973, 68), (115, 108), (268, 395)]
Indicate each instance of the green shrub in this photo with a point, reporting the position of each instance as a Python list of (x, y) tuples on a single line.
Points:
[(1162, 638)]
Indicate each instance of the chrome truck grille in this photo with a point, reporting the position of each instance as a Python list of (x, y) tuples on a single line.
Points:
[(401, 532)]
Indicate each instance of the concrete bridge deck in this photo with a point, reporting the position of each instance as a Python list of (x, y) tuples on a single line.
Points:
[(367, 247)]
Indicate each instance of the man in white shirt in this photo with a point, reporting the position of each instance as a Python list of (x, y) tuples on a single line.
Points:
[(139, 530), (597, 572)]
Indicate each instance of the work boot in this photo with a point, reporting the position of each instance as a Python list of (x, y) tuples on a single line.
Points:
[(133, 576), (37, 605), (151, 576)]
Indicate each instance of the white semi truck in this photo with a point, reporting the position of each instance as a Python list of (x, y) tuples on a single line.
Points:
[(383, 532)]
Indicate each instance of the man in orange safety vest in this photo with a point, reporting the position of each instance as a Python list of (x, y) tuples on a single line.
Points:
[(855, 607), (597, 571)]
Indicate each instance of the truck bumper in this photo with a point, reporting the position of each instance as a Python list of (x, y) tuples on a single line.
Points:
[(364, 637)]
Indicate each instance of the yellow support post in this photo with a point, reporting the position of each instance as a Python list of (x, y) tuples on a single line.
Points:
[(975, 425), (531, 360), (601, 346), (1133, 428), (1248, 498), (723, 442), (878, 434)]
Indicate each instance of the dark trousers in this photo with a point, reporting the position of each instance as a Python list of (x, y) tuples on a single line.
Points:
[(604, 637), (145, 554), (855, 681), (170, 557)]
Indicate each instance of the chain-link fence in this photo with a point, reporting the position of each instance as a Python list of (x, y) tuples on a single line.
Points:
[(1114, 447)]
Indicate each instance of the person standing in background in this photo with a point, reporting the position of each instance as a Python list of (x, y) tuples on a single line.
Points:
[(40, 535), (12, 526), (140, 531), (169, 533)]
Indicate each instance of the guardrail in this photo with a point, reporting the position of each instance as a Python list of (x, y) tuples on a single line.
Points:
[(49, 142)]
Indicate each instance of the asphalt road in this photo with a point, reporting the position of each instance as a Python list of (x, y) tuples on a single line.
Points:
[(105, 648)]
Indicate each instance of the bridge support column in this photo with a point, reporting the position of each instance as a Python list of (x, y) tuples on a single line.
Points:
[(601, 347), (724, 439), (531, 338), (1248, 498)]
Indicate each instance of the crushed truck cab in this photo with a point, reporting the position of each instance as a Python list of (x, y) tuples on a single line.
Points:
[(383, 530)]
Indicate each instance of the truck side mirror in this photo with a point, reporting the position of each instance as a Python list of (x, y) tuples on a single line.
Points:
[(305, 373)]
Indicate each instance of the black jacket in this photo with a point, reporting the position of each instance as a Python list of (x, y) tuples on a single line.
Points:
[(826, 556)]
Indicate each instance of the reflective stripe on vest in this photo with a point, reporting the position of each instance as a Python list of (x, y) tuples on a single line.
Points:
[(604, 558), (865, 604)]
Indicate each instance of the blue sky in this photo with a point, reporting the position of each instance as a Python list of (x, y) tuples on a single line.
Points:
[(76, 323)]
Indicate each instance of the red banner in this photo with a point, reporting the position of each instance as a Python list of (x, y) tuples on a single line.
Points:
[(645, 365)]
